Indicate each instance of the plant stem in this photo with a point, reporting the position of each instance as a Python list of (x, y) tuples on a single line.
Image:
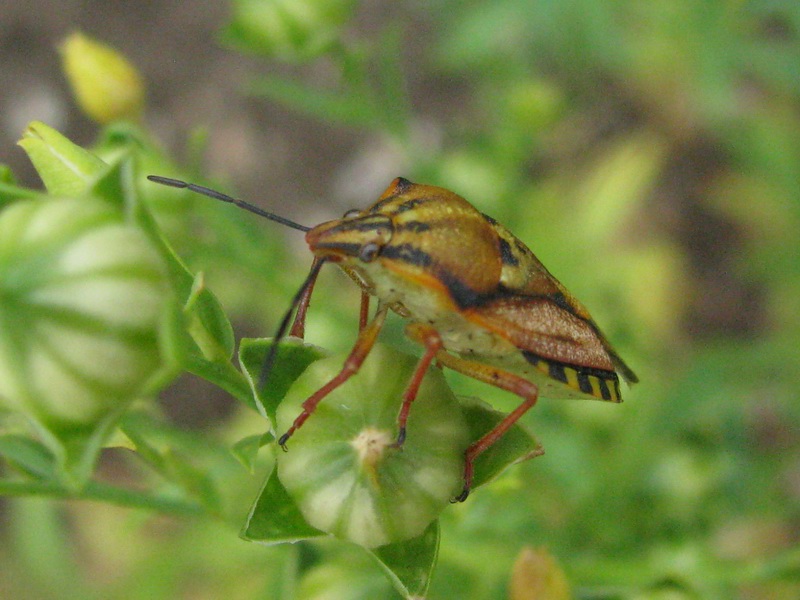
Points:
[(18, 192), (104, 493)]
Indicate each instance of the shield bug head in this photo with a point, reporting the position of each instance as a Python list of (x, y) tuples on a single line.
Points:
[(350, 240), (476, 298)]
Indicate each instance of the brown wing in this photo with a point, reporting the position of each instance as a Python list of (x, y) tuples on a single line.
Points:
[(539, 326), (537, 313)]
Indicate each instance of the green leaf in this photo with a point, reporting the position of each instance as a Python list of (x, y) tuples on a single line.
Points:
[(205, 345), (196, 481), (516, 445), (211, 328), (138, 428), (409, 564), (292, 358), (294, 30), (6, 174), (118, 185), (111, 185), (170, 208), (246, 449), (124, 136), (275, 518), (190, 462), (341, 107), (28, 456), (221, 374), (65, 168), (76, 450), (208, 324), (209, 342), (10, 192)]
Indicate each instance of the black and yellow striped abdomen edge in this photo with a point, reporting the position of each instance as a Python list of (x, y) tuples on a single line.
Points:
[(599, 383)]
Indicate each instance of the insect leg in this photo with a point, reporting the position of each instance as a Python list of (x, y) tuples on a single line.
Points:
[(272, 353), (364, 343), (498, 378), (363, 315), (299, 324), (432, 341)]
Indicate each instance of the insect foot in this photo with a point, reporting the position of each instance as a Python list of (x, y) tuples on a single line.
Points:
[(461, 497), (341, 470), (401, 438)]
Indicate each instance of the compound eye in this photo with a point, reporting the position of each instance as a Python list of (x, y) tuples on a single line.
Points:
[(369, 252), (353, 212)]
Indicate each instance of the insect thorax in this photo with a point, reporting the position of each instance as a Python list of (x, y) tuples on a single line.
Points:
[(422, 304)]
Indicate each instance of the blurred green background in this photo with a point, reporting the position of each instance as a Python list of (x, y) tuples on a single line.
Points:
[(648, 153)]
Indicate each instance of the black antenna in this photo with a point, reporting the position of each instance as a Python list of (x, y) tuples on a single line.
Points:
[(192, 187), (266, 368)]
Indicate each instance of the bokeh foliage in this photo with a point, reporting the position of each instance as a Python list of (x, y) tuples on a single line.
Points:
[(649, 153)]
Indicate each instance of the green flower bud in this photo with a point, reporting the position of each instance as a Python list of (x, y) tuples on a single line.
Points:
[(82, 298), (65, 168), (342, 468), (106, 86)]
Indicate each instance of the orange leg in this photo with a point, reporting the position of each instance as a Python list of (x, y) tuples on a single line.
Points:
[(364, 343), (363, 315), (299, 324), (493, 376), (433, 344)]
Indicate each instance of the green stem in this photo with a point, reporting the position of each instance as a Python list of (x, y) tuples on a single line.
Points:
[(15, 191), (104, 493)]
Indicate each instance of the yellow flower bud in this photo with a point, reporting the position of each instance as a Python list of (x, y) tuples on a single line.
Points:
[(538, 576), (106, 86)]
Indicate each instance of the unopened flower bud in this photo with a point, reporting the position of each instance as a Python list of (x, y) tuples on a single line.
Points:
[(106, 86)]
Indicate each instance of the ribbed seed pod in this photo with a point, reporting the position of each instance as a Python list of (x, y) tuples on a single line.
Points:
[(82, 296), (342, 468)]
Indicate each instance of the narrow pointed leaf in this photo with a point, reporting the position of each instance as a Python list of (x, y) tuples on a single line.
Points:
[(27, 455), (65, 168), (246, 449), (344, 108), (275, 518), (515, 446), (409, 564), (292, 358)]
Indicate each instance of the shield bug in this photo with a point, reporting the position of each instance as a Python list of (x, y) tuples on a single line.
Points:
[(476, 298)]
